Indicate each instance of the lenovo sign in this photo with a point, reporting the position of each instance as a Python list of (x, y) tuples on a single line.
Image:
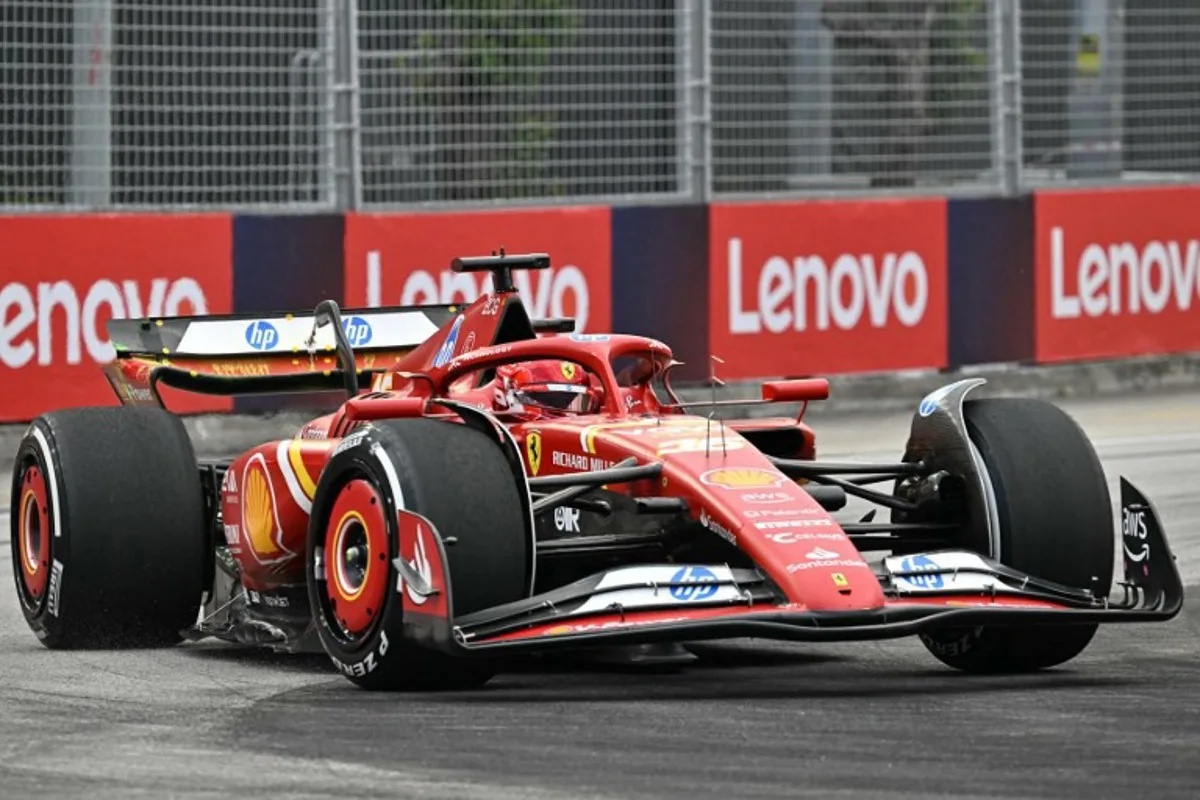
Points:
[(63, 278), (1117, 273), (404, 259), (805, 288), (30, 315)]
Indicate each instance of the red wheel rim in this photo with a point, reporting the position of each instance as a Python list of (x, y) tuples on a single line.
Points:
[(356, 557), (34, 538)]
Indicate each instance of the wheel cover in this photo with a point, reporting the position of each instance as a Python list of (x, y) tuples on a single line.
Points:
[(356, 559), (33, 537)]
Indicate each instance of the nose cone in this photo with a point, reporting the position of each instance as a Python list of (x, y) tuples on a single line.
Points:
[(735, 491), (787, 533)]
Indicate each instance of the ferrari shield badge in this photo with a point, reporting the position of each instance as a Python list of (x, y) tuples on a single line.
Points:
[(533, 451)]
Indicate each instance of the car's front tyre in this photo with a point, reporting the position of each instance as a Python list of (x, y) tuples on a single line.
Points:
[(1055, 518), (458, 480)]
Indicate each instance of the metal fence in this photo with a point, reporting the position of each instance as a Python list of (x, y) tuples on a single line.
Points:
[(394, 104), (117, 103), (502, 101)]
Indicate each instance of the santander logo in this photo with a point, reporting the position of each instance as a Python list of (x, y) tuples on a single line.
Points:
[(809, 293), (1121, 278)]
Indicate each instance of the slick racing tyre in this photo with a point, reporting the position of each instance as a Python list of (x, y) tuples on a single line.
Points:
[(1055, 519), (456, 478), (108, 532)]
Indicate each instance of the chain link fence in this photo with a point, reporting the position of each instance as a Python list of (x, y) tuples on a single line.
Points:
[(394, 104), (1111, 92), (828, 97), (164, 104), (499, 102)]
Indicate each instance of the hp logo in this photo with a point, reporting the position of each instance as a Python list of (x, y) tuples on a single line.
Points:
[(918, 564), (699, 583), (358, 331), (262, 335)]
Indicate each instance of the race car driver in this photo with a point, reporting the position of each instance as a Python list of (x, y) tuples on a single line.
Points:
[(547, 388)]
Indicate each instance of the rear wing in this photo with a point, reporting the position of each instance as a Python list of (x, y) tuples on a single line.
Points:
[(260, 353), (325, 348), (274, 334)]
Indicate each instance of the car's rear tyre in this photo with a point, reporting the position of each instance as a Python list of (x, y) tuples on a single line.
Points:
[(1056, 523), (108, 533), (456, 478)]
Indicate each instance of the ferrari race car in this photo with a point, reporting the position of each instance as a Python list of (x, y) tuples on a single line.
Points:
[(505, 486)]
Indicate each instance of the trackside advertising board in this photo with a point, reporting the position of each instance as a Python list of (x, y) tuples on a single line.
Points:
[(827, 287), (63, 277), (404, 259), (1117, 273)]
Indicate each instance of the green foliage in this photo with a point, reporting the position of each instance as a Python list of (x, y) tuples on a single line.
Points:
[(959, 84), (960, 59), (482, 71), (20, 197)]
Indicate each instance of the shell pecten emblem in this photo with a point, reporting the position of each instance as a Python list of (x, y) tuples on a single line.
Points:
[(260, 513), (743, 478)]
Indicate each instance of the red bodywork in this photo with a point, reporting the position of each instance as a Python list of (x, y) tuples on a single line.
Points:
[(728, 483), (797, 575)]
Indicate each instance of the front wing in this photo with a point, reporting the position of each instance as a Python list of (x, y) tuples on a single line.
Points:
[(691, 602)]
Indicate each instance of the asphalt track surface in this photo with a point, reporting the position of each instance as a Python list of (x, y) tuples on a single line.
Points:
[(749, 720)]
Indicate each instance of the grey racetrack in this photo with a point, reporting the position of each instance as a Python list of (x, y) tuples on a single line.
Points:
[(748, 720)]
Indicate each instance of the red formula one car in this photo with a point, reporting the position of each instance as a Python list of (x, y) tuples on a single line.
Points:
[(508, 486)]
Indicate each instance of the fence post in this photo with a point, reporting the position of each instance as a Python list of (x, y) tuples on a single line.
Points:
[(90, 179), (1006, 92), (347, 128), (696, 44), (1094, 98), (683, 97), (325, 119)]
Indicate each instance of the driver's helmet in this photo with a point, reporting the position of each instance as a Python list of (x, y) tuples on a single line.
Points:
[(548, 387)]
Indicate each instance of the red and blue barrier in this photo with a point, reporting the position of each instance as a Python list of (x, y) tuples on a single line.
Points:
[(773, 289), (990, 251)]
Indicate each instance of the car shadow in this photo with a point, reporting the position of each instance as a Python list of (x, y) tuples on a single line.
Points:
[(750, 685), (715, 672), (260, 657)]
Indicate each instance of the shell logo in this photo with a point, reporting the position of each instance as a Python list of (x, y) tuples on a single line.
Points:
[(742, 478), (260, 513), (558, 630)]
